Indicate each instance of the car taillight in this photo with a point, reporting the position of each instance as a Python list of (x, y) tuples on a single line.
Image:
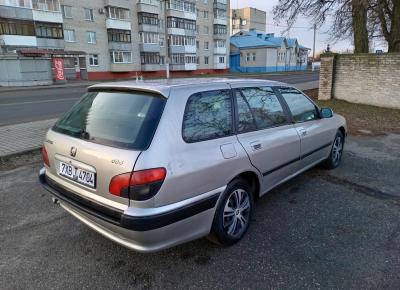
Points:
[(45, 156), (138, 185)]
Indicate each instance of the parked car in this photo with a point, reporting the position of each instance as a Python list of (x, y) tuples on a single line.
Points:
[(152, 165)]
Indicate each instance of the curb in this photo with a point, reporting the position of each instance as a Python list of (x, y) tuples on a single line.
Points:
[(16, 89), (18, 154)]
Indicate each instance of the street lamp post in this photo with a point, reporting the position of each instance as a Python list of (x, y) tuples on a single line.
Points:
[(166, 40)]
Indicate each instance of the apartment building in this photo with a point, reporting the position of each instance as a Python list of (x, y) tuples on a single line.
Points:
[(107, 39), (247, 18)]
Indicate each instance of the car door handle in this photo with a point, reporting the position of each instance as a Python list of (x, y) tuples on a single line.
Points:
[(256, 145), (303, 132)]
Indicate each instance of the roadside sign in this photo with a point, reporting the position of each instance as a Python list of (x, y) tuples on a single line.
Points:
[(58, 64)]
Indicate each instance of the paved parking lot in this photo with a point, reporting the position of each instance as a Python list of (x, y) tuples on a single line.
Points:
[(323, 230)]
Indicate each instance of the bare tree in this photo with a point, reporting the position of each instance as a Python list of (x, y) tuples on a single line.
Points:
[(349, 17), (384, 22)]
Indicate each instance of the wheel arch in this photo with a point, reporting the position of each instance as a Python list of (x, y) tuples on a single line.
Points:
[(253, 180)]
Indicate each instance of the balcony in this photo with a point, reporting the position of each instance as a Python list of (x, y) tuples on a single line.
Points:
[(220, 5), (220, 36), (150, 67), (122, 67), (120, 46), (219, 50), (50, 43), (221, 21), (15, 13), (47, 16), (190, 48), (181, 14), (149, 6), (149, 47), (220, 66), (117, 3), (118, 24), (149, 28), (19, 40), (183, 67)]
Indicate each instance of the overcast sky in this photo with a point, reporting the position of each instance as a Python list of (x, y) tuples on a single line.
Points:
[(304, 35)]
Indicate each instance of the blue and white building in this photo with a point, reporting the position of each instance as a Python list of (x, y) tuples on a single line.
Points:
[(253, 51)]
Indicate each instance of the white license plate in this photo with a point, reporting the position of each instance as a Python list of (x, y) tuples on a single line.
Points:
[(77, 174)]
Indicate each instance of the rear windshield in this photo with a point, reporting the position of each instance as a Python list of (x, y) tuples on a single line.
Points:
[(120, 119)]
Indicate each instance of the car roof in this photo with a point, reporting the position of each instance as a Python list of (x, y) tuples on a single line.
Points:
[(163, 86)]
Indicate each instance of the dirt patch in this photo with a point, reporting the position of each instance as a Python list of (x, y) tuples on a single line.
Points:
[(20, 159), (363, 119)]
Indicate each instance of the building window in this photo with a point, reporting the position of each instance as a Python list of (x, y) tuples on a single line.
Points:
[(49, 30), (205, 29), (206, 45), (121, 56), (91, 37), (178, 58), (191, 58), (149, 37), (205, 14), (46, 5), (17, 3), (148, 18), (117, 13), (197, 44), (248, 57), (93, 59), (220, 43), (221, 59), (206, 60), (67, 11), (244, 22), (69, 35), (182, 6), (117, 35), (88, 14), (150, 58), (175, 22), (16, 27), (254, 56), (181, 40), (220, 29), (189, 7), (221, 14)]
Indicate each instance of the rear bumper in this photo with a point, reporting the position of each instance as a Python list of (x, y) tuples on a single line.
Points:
[(144, 229)]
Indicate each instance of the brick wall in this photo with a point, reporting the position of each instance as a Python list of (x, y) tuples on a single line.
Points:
[(362, 78)]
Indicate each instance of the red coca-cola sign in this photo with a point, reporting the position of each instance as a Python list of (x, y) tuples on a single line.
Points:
[(58, 64)]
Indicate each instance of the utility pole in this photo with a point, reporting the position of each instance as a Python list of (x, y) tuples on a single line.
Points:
[(166, 61), (313, 57)]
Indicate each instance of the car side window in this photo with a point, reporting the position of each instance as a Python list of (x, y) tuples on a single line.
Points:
[(258, 108), (208, 115), (302, 108)]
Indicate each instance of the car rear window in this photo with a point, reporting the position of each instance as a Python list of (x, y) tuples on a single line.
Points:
[(119, 119)]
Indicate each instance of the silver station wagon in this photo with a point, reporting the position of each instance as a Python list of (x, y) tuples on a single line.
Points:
[(151, 165)]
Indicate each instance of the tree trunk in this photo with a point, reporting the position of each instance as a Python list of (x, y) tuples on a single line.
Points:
[(359, 16), (394, 41)]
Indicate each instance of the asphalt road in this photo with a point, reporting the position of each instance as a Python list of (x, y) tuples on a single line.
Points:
[(322, 230), (40, 104)]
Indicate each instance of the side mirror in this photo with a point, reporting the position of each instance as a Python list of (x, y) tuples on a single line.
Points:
[(326, 113)]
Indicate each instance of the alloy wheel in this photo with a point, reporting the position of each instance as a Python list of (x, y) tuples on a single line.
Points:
[(236, 213)]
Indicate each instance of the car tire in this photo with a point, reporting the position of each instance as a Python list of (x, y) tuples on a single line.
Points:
[(233, 214), (335, 156)]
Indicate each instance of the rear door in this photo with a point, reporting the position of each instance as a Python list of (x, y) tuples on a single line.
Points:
[(315, 133), (265, 131), (99, 138)]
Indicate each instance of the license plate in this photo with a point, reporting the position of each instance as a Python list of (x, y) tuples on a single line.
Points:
[(77, 174)]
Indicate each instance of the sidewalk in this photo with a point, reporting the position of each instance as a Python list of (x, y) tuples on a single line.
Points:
[(70, 84), (24, 137)]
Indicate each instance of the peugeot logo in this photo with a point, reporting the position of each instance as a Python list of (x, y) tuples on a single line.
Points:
[(72, 152)]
